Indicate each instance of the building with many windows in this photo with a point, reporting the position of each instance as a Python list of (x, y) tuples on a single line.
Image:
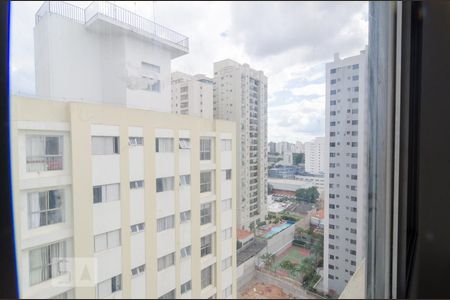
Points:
[(315, 156), (114, 196), (240, 95), (345, 160), (192, 95)]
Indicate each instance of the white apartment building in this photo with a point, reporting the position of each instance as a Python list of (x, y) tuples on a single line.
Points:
[(299, 147), (240, 95), (114, 201), (346, 165), (192, 95), (315, 156)]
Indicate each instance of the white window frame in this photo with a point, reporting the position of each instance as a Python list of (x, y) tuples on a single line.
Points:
[(226, 263), (38, 156), (138, 271), (109, 241), (185, 216), (137, 184), (206, 186), (135, 141), (110, 285), (206, 245), (100, 146), (106, 192), (184, 143), (36, 212), (186, 287), (165, 184), (51, 262), (227, 233), (185, 180), (136, 228), (186, 251), (166, 261), (206, 148), (226, 204), (164, 145), (226, 145), (207, 213), (165, 223)]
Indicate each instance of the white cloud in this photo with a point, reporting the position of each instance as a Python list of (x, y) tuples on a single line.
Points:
[(309, 90)]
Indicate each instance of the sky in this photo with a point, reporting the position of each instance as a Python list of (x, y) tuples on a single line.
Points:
[(289, 41)]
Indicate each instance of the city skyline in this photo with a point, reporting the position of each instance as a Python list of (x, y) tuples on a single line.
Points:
[(296, 95)]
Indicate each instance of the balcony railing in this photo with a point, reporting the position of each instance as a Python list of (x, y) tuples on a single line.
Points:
[(115, 13), (44, 163)]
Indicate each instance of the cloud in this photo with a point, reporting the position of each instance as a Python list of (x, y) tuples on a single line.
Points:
[(289, 41)]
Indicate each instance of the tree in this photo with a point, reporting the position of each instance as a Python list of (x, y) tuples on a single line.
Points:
[(298, 158), (289, 266), (268, 259), (310, 194)]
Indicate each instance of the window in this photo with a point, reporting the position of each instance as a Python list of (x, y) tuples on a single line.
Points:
[(205, 148), (148, 67), (185, 252), (332, 71), (227, 292), (136, 141), (207, 277), (47, 262), (165, 223), (107, 240), (109, 286), (227, 174), (185, 180), (205, 181), (166, 261), (333, 81), (355, 66), (333, 92), (44, 153), (226, 204), (206, 213), (106, 193), (206, 245), (45, 208), (137, 227), (226, 233), (164, 184), (164, 145), (355, 77), (139, 184), (102, 145), (226, 144), (226, 263), (186, 287), (185, 216), (135, 272), (184, 143), (169, 295)]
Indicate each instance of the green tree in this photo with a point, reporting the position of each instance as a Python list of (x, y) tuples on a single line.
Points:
[(268, 259), (290, 267), (298, 158), (310, 194)]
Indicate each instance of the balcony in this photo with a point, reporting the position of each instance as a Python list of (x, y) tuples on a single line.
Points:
[(44, 163), (113, 14)]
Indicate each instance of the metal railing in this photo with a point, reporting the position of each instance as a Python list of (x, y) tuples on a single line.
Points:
[(44, 163), (115, 13)]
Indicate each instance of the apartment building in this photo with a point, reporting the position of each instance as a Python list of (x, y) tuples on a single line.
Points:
[(192, 95), (315, 156), (117, 197), (240, 95), (345, 161)]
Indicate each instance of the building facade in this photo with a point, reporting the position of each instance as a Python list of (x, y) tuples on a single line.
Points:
[(240, 95), (115, 197), (315, 156), (346, 184), (142, 203), (192, 95)]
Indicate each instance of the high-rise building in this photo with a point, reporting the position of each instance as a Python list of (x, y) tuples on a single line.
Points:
[(114, 201), (192, 95), (346, 169), (240, 95), (299, 147), (272, 147), (315, 156)]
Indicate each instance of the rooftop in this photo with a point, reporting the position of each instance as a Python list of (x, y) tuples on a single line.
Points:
[(243, 234), (109, 12)]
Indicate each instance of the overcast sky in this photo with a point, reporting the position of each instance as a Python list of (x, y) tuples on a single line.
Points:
[(289, 41)]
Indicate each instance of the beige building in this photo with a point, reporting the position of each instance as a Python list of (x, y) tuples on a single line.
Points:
[(141, 206), (240, 95), (192, 95)]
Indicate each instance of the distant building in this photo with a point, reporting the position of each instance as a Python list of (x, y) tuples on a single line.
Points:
[(192, 95), (240, 95), (315, 156), (272, 147)]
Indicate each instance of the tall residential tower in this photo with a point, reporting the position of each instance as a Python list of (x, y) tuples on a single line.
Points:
[(240, 95), (315, 156), (345, 161)]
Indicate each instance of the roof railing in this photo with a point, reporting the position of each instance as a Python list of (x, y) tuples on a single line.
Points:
[(115, 13)]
